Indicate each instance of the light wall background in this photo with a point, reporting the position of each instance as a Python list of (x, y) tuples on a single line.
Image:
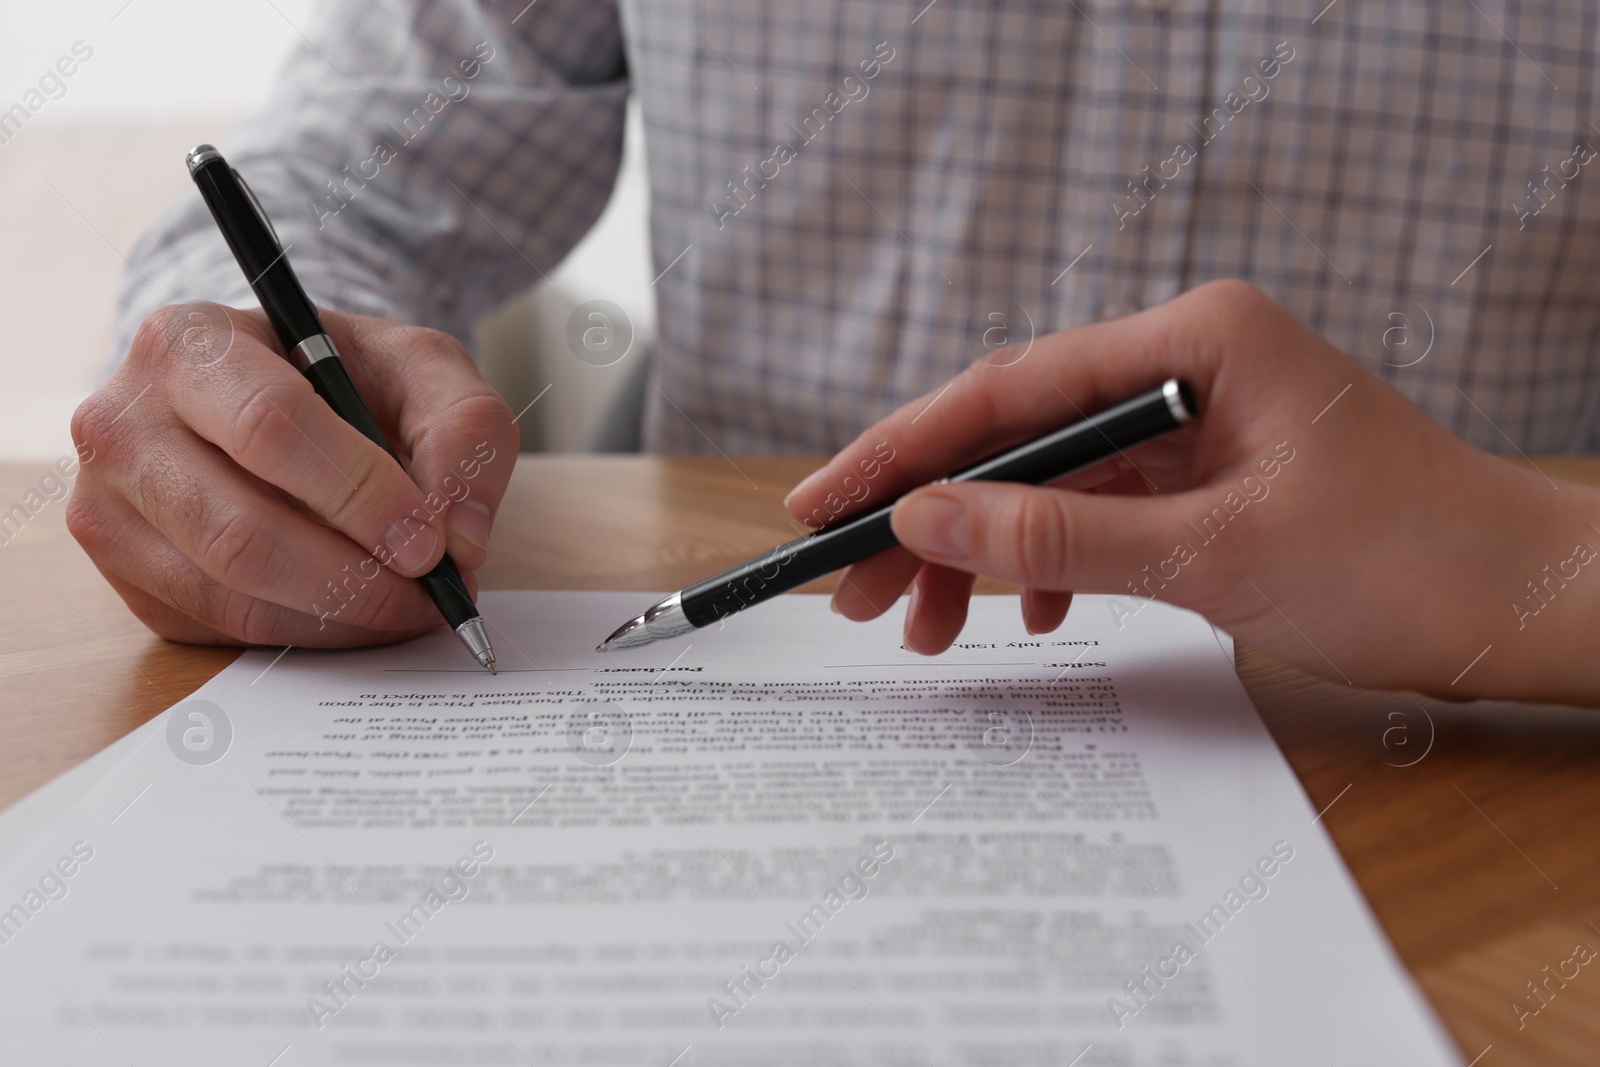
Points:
[(91, 170)]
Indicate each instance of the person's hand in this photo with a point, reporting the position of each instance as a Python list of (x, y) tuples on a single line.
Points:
[(228, 504), (1311, 511)]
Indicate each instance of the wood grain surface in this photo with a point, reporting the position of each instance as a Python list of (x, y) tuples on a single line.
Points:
[(1481, 858)]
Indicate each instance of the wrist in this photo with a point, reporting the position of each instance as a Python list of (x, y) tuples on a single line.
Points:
[(1540, 636)]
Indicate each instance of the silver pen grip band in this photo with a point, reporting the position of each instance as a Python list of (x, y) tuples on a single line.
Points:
[(313, 350)]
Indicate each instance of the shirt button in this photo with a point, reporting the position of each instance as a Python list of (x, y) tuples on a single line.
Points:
[(1117, 309)]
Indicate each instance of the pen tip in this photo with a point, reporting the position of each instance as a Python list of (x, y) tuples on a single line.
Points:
[(630, 634), (477, 642)]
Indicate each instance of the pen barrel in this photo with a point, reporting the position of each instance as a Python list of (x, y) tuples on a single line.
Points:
[(1055, 455), (449, 592), (258, 253), (787, 567), (332, 381), (1099, 437)]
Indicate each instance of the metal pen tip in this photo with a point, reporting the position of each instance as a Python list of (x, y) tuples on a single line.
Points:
[(472, 635), (621, 637), (659, 622)]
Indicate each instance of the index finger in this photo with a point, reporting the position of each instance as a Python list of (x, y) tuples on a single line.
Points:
[(265, 415)]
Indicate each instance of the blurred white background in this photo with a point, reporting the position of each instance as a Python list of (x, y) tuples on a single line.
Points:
[(87, 173)]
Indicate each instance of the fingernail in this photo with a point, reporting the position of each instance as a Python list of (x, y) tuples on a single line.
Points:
[(469, 520), (805, 483), (934, 523), (410, 544)]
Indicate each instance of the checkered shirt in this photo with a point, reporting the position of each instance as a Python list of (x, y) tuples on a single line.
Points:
[(1411, 179)]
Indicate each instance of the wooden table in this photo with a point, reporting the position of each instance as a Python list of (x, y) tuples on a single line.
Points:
[(1481, 859)]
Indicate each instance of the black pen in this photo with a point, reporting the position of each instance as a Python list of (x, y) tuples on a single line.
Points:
[(789, 566), (249, 234)]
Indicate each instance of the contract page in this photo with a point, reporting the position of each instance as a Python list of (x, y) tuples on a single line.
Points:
[(786, 840)]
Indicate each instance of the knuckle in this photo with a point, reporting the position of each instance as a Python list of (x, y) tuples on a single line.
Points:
[(481, 414), (1232, 290), (426, 342), (88, 525), (89, 424), (190, 593), (490, 417), (980, 391), (155, 333), (363, 493), (250, 620), (167, 493), (194, 332), (235, 551), (264, 431), (94, 423), (1238, 302), (373, 497), (487, 411), (406, 346), (1043, 544)]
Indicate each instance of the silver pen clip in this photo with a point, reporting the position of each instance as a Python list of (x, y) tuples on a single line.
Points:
[(250, 195)]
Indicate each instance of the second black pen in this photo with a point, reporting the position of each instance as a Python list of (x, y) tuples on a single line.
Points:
[(789, 566)]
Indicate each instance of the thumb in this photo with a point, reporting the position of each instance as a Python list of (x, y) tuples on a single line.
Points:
[(1039, 538)]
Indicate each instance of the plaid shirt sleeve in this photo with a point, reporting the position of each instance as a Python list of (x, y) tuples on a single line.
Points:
[(422, 159)]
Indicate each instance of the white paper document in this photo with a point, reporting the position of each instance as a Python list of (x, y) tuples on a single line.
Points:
[(784, 841)]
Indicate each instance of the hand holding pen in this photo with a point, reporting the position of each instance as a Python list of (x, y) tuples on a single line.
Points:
[(1311, 510), (228, 504), (312, 350), (1080, 444)]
